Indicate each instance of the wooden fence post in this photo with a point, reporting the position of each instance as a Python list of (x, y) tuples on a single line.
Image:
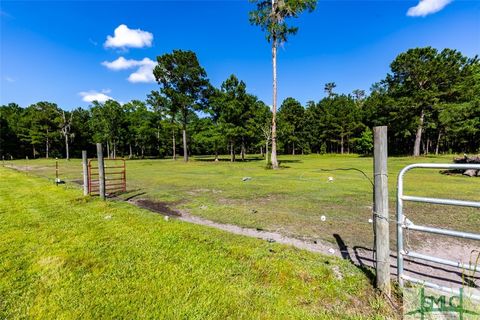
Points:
[(85, 172), (101, 172), (381, 217)]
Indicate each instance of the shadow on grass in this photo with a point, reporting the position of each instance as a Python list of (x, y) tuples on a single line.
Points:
[(130, 197), (426, 269), (290, 161), (366, 264), (281, 163), (360, 265), (228, 159)]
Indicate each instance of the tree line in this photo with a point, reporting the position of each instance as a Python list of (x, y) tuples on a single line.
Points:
[(430, 100)]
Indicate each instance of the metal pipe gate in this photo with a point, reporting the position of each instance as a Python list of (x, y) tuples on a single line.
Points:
[(404, 223), (115, 177)]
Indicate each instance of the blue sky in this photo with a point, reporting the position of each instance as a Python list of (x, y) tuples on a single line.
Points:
[(54, 51)]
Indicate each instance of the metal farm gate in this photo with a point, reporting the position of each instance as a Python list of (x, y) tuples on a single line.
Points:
[(115, 176), (404, 223)]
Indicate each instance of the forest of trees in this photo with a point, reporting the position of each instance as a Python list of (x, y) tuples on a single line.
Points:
[(430, 102)]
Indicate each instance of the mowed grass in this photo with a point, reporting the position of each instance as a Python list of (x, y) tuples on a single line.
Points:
[(66, 256), (292, 200)]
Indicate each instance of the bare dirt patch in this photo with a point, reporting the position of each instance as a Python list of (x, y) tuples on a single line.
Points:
[(25, 168), (202, 190), (440, 274), (258, 201)]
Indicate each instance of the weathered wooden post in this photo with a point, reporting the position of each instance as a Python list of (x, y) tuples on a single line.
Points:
[(101, 172), (85, 172), (382, 234)]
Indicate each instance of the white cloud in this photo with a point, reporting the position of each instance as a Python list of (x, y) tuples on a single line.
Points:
[(144, 72), (124, 37), (9, 79), (122, 63), (426, 7), (92, 95)]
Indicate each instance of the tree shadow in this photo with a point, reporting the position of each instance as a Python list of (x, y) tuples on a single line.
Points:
[(290, 161)]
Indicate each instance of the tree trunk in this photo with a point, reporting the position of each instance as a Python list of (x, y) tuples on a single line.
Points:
[(158, 142), (67, 151), (418, 136), (427, 146), (34, 151), (293, 148), (232, 152), (266, 151), (47, 145), (261, 151), (108, 149), (114, 150), (274, 103), (348, 144), (185, 150), (174, 154), (341, 144), (438, 142), (243, 150), (130, 149)]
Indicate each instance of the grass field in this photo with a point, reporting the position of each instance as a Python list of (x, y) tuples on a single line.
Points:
[(69, 257), (293, 199)]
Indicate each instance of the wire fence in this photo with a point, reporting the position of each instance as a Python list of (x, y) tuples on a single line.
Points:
[(359, 216)]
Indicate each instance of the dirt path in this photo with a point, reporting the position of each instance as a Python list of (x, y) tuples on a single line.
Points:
[(360, 256), (317, 246), (164, 209)]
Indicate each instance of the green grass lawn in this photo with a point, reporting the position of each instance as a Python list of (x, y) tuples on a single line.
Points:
[(293, 199), (66, 256)]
